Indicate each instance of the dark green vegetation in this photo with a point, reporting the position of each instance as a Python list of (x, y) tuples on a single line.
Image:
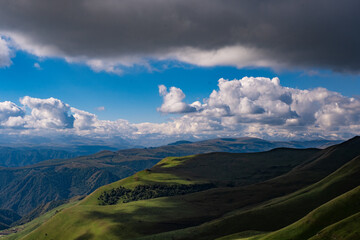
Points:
[(7, 217), (274, 193), (143, 192), (25, 188)]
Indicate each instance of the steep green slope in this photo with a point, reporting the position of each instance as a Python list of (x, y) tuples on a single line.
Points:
[(346, 229), (292, 207), (330, 213), (23, 189), (279, 212), (89, 220), (154, 211)]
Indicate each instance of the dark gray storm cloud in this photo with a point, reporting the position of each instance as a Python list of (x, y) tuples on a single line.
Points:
[(299, 33)]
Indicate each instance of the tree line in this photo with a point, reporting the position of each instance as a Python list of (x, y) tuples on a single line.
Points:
[(142, 192)]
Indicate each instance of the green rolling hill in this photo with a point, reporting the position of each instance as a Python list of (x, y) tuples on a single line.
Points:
[(280, 212), (24, 188), (245, 194), (336, 219), (347, 228), (326, 215)]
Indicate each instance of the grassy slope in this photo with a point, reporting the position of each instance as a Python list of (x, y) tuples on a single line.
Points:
[(88, 219), (346, 229), (279, 212), (284, 211), (236, 169), (104, 220), (22, 230), (330, 213), (241, 235), (125, 221), (25, 188)]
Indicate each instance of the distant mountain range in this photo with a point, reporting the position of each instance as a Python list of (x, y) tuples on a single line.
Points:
[(282, 194), (63, 142), (23, 156), (18, 157)]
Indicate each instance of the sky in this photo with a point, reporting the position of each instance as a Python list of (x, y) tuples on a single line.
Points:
[(155, 71)]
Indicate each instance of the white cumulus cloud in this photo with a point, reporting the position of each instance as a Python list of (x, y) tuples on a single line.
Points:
[(83, 120), (262, 107), (48, 113), (173, 101), (10, 114), (250, 106)]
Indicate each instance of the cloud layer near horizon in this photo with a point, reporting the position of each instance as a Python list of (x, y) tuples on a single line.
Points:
[(109, 34), (257, 107)]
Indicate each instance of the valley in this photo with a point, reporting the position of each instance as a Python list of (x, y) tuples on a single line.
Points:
[(261, 195), (24, 188)]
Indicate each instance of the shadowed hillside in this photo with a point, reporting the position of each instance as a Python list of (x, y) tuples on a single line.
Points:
[(23, 156), (279, 212), (14, 157), (24, 188), (7, 217), (339, 213), (245, 184)]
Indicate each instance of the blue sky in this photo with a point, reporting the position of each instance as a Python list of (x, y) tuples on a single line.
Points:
[(134, 95)]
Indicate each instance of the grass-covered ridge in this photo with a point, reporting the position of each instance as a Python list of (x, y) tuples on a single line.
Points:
[(330, 213), (60, 179), (249, 188), (279, 212), (347, 228), (173, 161)]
